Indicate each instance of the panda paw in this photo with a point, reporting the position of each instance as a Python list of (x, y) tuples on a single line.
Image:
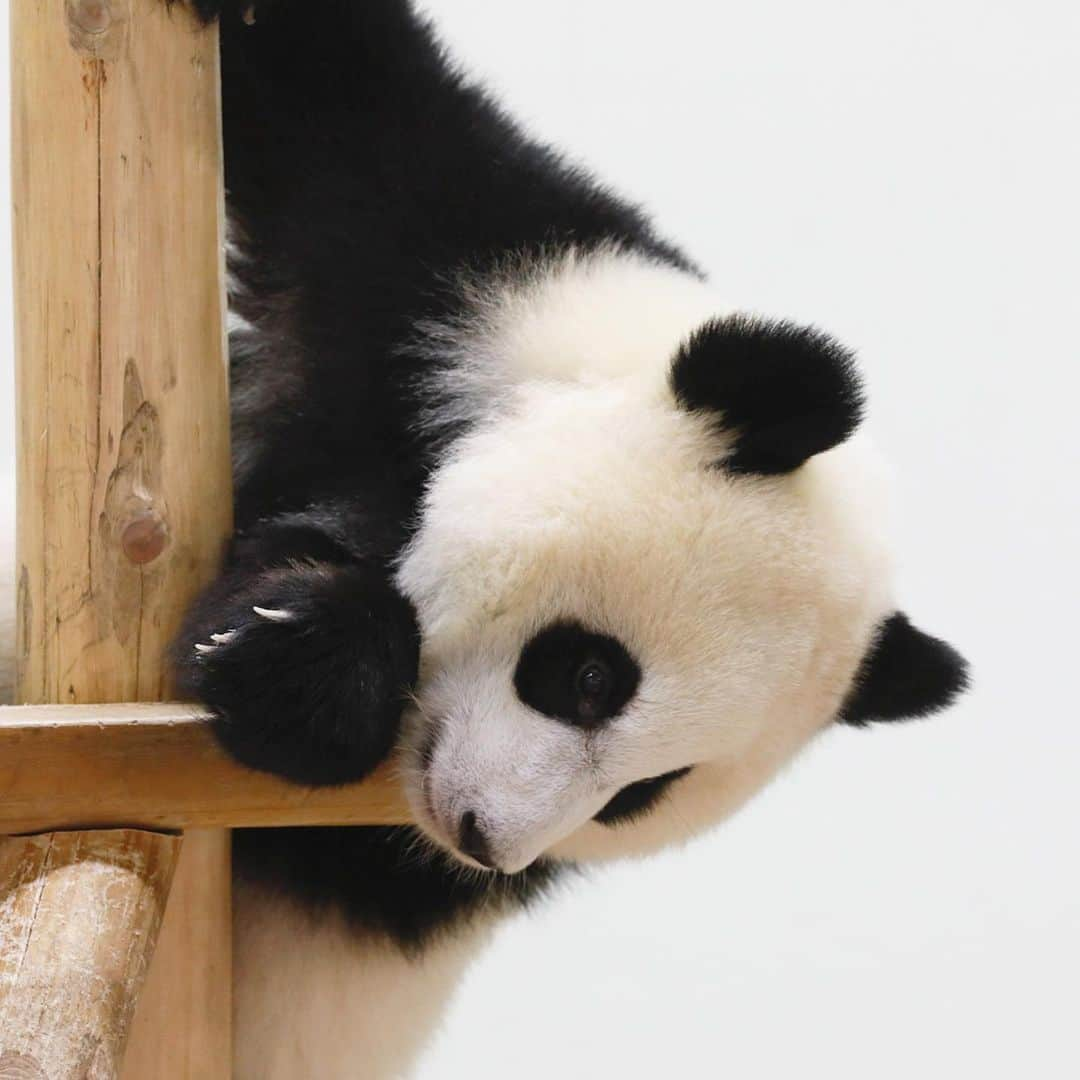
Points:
[(304, 669)]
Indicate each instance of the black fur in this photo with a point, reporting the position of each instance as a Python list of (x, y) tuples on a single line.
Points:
[(636, 800), (383, 879), (785, 392), (547, 674), (317, 697), (906, 674), (362, 172)]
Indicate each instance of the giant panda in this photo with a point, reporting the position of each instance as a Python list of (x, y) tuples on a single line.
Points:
[(519, 501)]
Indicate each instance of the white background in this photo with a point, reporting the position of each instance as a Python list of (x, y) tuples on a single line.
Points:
[(902, 902)]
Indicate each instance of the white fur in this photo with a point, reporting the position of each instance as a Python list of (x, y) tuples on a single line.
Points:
[(584, 492), (568, 317), (591, 495), (313, 1001)]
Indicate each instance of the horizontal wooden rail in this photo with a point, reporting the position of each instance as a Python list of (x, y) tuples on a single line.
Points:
[(159, 767)]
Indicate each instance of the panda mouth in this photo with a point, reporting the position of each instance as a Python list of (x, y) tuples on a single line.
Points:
[(636, 800), (468, 852), (430, 820), (630, 803)]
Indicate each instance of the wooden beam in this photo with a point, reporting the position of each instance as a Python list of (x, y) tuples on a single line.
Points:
[(75, 911), (123, 477), (157, 766)]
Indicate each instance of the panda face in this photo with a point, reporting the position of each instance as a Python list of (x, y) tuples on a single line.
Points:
[(600, 605), (637, 601)]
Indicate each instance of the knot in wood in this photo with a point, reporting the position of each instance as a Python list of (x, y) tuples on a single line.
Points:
[(96, 28), (144, 538), (92, 16)]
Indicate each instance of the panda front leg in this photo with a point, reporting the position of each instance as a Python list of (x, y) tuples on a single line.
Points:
[(305, 664)]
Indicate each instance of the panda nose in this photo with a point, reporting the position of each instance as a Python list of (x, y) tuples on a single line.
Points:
[(473, 842)]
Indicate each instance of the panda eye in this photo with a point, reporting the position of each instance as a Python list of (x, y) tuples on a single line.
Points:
[(594, 684), (576, 675)]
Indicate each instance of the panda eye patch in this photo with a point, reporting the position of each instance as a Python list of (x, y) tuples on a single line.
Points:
[(575, 675)]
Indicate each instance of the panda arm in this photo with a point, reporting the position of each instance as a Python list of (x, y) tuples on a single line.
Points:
[(303, 651)]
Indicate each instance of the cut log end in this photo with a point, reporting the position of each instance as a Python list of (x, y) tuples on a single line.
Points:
[(79, 917)]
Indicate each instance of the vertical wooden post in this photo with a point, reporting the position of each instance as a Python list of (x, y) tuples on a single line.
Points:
[(124, 491), (183, 1024)]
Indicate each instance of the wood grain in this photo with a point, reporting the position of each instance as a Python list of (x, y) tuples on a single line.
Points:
[(79, 914), (157, 766), (163, 1042), (122, 400), (122, 413)]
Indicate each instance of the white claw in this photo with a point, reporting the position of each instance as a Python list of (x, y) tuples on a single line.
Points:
[(223, 639), (201, 648), (273, 614)]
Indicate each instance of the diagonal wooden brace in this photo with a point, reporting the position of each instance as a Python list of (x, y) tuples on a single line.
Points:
[(79, 913)]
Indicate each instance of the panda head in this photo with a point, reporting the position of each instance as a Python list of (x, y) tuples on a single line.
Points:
[(640, 593)]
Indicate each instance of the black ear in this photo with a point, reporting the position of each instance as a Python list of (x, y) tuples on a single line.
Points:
[(906, 674), (785, 392)]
